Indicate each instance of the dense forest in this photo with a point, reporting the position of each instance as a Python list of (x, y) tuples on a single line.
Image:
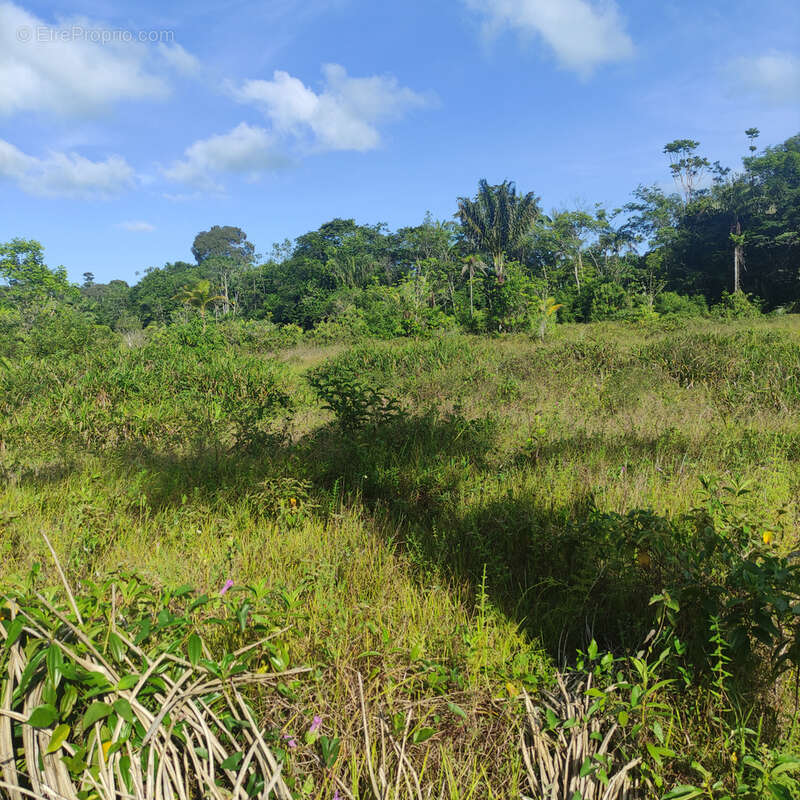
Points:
[(726, 239)]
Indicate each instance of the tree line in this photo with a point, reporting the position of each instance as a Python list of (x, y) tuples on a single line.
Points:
[(723, 238)]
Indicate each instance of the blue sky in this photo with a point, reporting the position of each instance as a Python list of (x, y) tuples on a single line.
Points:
[(277, 116)]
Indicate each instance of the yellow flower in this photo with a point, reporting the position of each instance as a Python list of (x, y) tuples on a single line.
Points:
[(293, 502), (767, 537), (734, 757), (106, 748)]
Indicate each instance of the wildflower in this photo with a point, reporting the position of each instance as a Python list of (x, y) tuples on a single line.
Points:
[(336, 795), (767, 537), (291, 742), (293, 502), (315, 723), (734, 757), (228, 584)]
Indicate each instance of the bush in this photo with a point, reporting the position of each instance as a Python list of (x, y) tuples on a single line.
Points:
[(737, 305), (352, 399), (677, 305)]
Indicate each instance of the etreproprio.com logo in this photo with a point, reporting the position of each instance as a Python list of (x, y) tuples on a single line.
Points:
[(77, 33)]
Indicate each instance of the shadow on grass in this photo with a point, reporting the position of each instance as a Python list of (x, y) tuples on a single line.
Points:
[(565, 573)]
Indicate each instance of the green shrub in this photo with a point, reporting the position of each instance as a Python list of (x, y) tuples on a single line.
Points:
[(673, 304), (737, 305)]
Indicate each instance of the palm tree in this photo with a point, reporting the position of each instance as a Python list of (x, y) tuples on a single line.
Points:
[(545, 308), (472, 265), (199, 296), (497, 220)]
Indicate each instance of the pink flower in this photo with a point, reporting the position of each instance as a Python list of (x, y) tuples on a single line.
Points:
[(336, 795), (315, 723), (291, 742), (228, 584)]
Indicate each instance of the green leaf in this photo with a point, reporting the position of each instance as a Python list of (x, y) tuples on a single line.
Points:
[(232, 761), (779, 791), (552, 719), (457, 710), (127, 682), (13, 632), (55, 664), (68, 700), (593, 650), (785, 764), (587, 767), (330, 750), (194, 649), (95, 712), (58, 738), (623, 718), (123, 708), (117, 647), (241, 615), (683, 792), (43, 716), (125, 771), (201, 601), (422, 735)]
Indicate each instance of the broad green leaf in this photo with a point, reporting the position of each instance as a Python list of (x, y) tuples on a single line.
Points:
[(194, 649), (43, 716), (422, 735), (683, 792), (58, 738), (127, 682), (95, 712), (780, 792), (232, 761), (457, 710), (13, 632), (586, 768), (117, 647), (123, 708)]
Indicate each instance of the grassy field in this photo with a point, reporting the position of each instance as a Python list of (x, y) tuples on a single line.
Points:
[(454, 519)]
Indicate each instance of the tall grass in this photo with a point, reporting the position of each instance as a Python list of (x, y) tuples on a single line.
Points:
[(513, 501)]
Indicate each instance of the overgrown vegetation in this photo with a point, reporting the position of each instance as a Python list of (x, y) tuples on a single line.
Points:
[(454, 522)]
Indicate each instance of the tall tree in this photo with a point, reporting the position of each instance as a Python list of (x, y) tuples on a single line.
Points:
[(497, 219), (472, 266), (224, 251), (686, 166), (30, 283)]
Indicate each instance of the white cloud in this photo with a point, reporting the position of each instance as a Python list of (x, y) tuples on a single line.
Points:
[(583, 34), (64, 174), (246, 149), (343, 116), (775, 77), (66, 69), (179, 59), (136, 226)]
